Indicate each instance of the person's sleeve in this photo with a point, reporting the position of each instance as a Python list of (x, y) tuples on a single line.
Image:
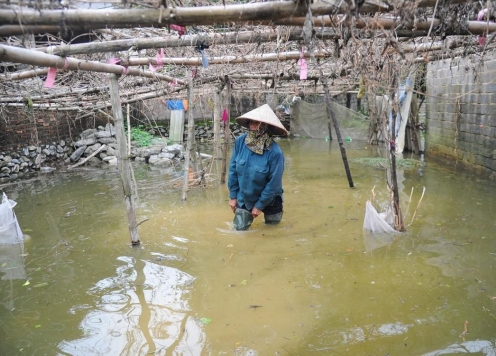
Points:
[(232, 182), (274, 183)]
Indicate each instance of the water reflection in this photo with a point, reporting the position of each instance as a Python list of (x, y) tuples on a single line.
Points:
[(482, 347), (143, 309)]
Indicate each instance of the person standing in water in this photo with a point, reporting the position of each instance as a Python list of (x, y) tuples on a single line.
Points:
[(256, 169)]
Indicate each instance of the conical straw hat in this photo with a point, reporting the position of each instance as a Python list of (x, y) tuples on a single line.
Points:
[(263, 114)]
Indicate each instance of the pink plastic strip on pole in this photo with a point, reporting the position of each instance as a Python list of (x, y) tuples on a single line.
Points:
[(303, 68), (480, 17), (180, 29), (50, 79), (159, 57), (303, 65), (114, 60), (225, 116)]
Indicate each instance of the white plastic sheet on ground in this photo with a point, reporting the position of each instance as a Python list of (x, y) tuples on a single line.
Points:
[(10, 231)]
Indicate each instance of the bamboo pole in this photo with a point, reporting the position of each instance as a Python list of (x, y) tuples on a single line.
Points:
[(380, 23), (88, 158), (270, 13), (189, 141), (338, 132), (123, 159), (26, 56), (227, 131), (25, 74), (383, 23), (263, 57), (50, 107), (98, 106), (126, 18), (200, 15), (217, 121), (285, 56), (44, 98), (180, 41), (398, 221), (128, 130)]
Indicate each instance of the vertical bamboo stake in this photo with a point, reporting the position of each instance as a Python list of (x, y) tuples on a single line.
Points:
[(217, 115), (398, 221), (189, 141), (227, 132), (336, 128), (124, 164), (394, 180), (128, 131)]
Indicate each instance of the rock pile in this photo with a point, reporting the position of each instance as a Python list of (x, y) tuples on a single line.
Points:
[(95, 146), (31, 159)]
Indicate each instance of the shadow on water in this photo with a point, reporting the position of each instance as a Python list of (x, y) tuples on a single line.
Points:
[(313, 285)]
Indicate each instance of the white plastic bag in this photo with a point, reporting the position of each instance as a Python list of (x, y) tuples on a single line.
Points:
[(10, 231), (375, 222)]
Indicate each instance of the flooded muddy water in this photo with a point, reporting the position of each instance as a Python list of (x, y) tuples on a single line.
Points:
[(313, 285)]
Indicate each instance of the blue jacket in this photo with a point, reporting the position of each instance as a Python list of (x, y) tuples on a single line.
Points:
[(255, 180)]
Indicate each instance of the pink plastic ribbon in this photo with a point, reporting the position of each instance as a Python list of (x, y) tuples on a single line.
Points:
[(181, 30), (173, 84), (50, 79), (480, 17), (114, 60), (303, 66), (160, 55), (225, 116)]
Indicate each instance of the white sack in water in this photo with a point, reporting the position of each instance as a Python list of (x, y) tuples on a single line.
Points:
[(10, 231)]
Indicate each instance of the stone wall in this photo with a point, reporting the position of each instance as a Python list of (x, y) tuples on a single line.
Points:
[(460, 111)]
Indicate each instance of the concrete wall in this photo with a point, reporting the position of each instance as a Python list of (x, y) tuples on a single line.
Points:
[(154, 111), (460, 111)]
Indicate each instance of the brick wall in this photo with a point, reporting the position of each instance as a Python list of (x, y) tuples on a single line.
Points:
[(461, 111), (20, 127)]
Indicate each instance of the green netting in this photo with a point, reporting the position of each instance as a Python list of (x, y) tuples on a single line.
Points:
[(310, 120)]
